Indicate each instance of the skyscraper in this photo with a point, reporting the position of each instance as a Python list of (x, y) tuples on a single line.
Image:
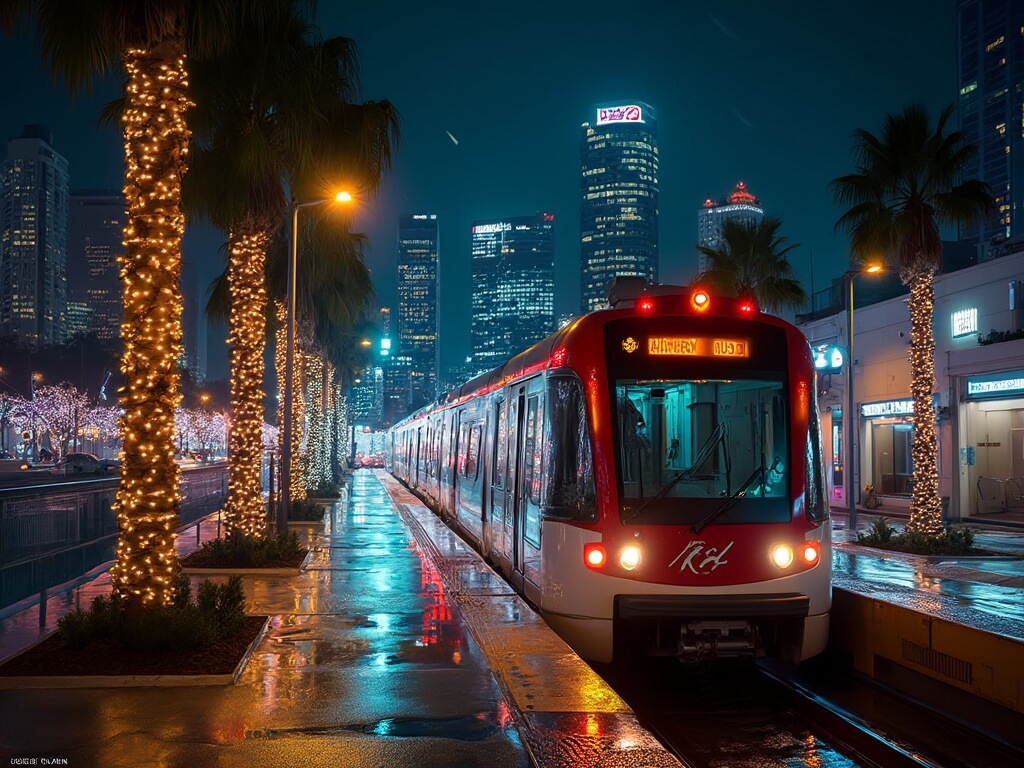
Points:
[(418, 250), (990, 68), (739, 206), (193, 322), (33, 239), (95, 231), (618, 199), (513, 271)]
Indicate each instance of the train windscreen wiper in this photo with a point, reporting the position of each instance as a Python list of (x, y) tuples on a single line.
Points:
[(731, 502), (705, 452)]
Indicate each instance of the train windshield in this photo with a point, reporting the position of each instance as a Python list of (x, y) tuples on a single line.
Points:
[(684, 445)]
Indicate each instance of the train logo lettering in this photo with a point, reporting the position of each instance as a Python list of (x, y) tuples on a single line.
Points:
[(691, 561), (630, 344)]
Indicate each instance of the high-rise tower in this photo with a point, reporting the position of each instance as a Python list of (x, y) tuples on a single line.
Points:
[(95, 232), (618, 199), (33, 239), (990, 68), (513, 266), (418, 250), (739, 206)]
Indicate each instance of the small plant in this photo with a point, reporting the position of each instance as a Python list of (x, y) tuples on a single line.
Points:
[(237, 549), (870, 499), (880, 534), (326, 490), (218, 612), (305, 510)]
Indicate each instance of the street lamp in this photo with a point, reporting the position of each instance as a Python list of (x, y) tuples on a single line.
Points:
[(851, 502), (289, 357)]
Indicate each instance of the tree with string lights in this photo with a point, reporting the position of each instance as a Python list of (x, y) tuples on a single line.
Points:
[(61, 410), (151, 42), (907, 182)]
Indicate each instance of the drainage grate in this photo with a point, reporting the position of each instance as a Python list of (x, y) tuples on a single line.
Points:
[(942, 663)]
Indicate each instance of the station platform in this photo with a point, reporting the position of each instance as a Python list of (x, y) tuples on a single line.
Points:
[(397, 645)]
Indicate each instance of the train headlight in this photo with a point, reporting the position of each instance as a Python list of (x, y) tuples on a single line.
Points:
[(782, 555), (594, 556), (701, 300), (629, 557), (810, 552)]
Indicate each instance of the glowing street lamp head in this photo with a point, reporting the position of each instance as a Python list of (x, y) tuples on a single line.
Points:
[(343, 197), (873, 268)]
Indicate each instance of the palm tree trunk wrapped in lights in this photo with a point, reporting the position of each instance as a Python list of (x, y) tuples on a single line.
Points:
[(246, 338), (156, 144), (280, 342), (318, 417), (298, 486), (907, 182)]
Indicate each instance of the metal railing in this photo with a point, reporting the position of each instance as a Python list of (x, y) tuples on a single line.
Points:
[(52, 533)]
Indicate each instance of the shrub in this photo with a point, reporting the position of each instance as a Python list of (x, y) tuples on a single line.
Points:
[(246, 551), (952, 541), (326, 490), (881, 533), (305, 510), (219, 611)]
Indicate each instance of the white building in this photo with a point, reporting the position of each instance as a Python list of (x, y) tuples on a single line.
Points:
[(739, 206), (979, 391)]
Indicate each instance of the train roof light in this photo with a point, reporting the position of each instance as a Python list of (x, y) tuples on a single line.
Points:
[(748, 305), (645, 304), (700, 300), (594, 556)]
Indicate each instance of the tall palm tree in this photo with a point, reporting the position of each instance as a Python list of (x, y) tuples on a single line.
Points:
[(275, 102), (150, 40), (751, 260), (907, 183)]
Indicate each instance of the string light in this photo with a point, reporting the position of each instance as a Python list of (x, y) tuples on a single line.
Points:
[(280, 351), (156, 146), (925, 506), (297, 489), (318, 415), (244, 510)]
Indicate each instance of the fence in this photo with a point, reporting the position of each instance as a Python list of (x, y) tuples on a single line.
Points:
[(53, 533)]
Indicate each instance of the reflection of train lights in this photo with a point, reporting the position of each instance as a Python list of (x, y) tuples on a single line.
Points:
[(437, 621)]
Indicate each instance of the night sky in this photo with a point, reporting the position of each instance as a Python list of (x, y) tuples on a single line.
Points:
[(764, 92)]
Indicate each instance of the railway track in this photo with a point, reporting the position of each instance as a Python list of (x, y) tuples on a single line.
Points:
[(751, 715)]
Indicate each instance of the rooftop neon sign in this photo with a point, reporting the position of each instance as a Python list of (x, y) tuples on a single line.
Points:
[(629, 113)]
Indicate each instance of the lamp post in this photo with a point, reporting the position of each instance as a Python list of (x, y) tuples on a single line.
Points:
[(851, 501), (286, 448)]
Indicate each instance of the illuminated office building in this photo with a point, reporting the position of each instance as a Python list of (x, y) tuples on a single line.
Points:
[(417, 324), (513, 272), (33, 239), (990, 69), (95, 233), (618, 199), (739, 206)]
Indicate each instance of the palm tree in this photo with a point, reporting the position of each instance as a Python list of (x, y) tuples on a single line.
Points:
[(907, 183), (150, 39), (274, 104), (751, 260)]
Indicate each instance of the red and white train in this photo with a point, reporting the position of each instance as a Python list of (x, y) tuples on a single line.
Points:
[(649, 476)]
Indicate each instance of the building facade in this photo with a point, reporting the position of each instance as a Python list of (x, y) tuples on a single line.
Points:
[(33, 239), (618, 199), (990, 70), (740, 206), (979, 395), (193, 322), (513, 272), (418, 295), (95, 233)]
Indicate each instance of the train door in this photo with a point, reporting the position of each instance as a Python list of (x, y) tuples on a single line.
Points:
[(500, 528), (525, 482)]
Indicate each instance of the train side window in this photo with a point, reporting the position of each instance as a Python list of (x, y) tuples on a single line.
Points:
[(570, 492), (816, 488), (532, 453), (500, 445), (473, 452)]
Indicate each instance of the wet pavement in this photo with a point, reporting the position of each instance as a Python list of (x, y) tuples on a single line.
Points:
[(370, 661)]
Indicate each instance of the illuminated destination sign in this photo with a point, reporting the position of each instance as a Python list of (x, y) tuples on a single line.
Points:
[(1009, 384), (630, 113), (697, 346)]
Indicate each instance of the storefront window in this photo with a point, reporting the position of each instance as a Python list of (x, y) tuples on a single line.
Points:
[(891, 459)]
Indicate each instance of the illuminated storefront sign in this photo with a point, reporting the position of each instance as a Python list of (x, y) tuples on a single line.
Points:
[(685, 346), (486, 229), (965, 322), (828, 358), (629, 113), (1007, 384), (887, 408)]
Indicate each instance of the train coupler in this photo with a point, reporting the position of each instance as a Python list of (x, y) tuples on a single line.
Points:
[(709, 640)]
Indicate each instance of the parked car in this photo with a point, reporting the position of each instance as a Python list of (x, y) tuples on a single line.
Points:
[(80, 463)]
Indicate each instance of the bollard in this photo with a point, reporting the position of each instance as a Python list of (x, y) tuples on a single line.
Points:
[(42, 607)]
